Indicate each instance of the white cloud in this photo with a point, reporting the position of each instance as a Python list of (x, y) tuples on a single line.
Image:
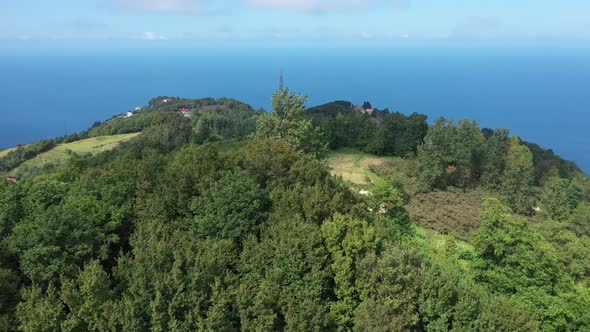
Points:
[(286, 4), (204, 6), (327, 5), (153, 36), (171, 6), (365, 35)]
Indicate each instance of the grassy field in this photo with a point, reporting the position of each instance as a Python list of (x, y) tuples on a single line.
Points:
[(354, 166), (60, 153), (5, 152)]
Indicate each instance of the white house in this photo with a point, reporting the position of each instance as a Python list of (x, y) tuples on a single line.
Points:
[(129, 114)]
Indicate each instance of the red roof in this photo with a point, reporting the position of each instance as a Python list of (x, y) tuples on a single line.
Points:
[(185, 110)]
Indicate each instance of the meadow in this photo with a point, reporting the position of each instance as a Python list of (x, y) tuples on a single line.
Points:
[(5, 152), (63, 152)]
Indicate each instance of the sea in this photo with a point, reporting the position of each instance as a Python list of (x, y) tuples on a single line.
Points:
[(541, 94)]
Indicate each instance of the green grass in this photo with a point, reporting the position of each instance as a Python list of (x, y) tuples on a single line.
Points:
[(62, 152), (5, 152), (355, 166)]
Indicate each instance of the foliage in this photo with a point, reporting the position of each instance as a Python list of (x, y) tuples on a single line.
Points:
[(448, 212), (452, 155), (380, 133), (190, 226), (517, 182), (63, 152), (287, 122), (23, 153), (559, 198), (496, 149), (517, 260)]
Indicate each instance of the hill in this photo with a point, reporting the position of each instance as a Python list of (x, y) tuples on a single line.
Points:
[(3, 153), (62, 152), (218, 217)]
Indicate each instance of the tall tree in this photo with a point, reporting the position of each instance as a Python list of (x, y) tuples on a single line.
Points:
[(287, 122), (554, 200), (451, 154), (496, 148), (517, 183)]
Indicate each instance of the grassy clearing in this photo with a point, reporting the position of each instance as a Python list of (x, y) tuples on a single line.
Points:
[(63, 152), (5, 152), (449, 213), (355, 166)]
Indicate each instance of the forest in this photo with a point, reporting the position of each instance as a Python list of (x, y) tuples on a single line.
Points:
[(230, 219)]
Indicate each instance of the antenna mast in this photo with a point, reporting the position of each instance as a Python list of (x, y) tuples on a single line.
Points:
[(281, 82)]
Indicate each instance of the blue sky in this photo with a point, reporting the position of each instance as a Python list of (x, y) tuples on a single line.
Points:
[(269, 22)]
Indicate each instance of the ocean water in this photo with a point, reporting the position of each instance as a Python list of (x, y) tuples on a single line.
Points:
[(541, 94)]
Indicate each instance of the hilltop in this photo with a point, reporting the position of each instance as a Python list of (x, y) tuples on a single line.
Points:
[(205, 214)]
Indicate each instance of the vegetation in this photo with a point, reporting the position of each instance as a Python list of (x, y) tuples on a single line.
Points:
[(16, 157), (3, 153), (232, 227), (369, 130), (63, 152)]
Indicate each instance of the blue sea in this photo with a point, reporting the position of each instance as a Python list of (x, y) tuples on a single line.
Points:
[(540, 93)]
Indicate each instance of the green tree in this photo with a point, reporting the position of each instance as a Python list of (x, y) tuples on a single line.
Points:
[(40, 311), (451, 155), (514, 256), (496, 149), (9, 297), (554, 200), (579, 220), (287, 122), (348, 241), (392, 303), (517, 182), (285, 282), (231, 208), (87, 300)]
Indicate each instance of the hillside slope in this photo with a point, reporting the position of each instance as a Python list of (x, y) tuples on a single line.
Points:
[(63, 152)]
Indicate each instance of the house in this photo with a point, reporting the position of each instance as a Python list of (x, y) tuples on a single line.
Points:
[(10, 179), (186, 111), (362, 109), (129, 114), (166, 100), (137, 109)]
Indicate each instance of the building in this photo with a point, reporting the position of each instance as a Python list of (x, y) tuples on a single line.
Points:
[(129, 114), (186, 112), (362, 109)]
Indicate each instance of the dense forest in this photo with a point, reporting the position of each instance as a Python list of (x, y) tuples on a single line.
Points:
[(227, 218)]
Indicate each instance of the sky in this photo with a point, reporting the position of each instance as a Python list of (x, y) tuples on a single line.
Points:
[(274, 22)]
